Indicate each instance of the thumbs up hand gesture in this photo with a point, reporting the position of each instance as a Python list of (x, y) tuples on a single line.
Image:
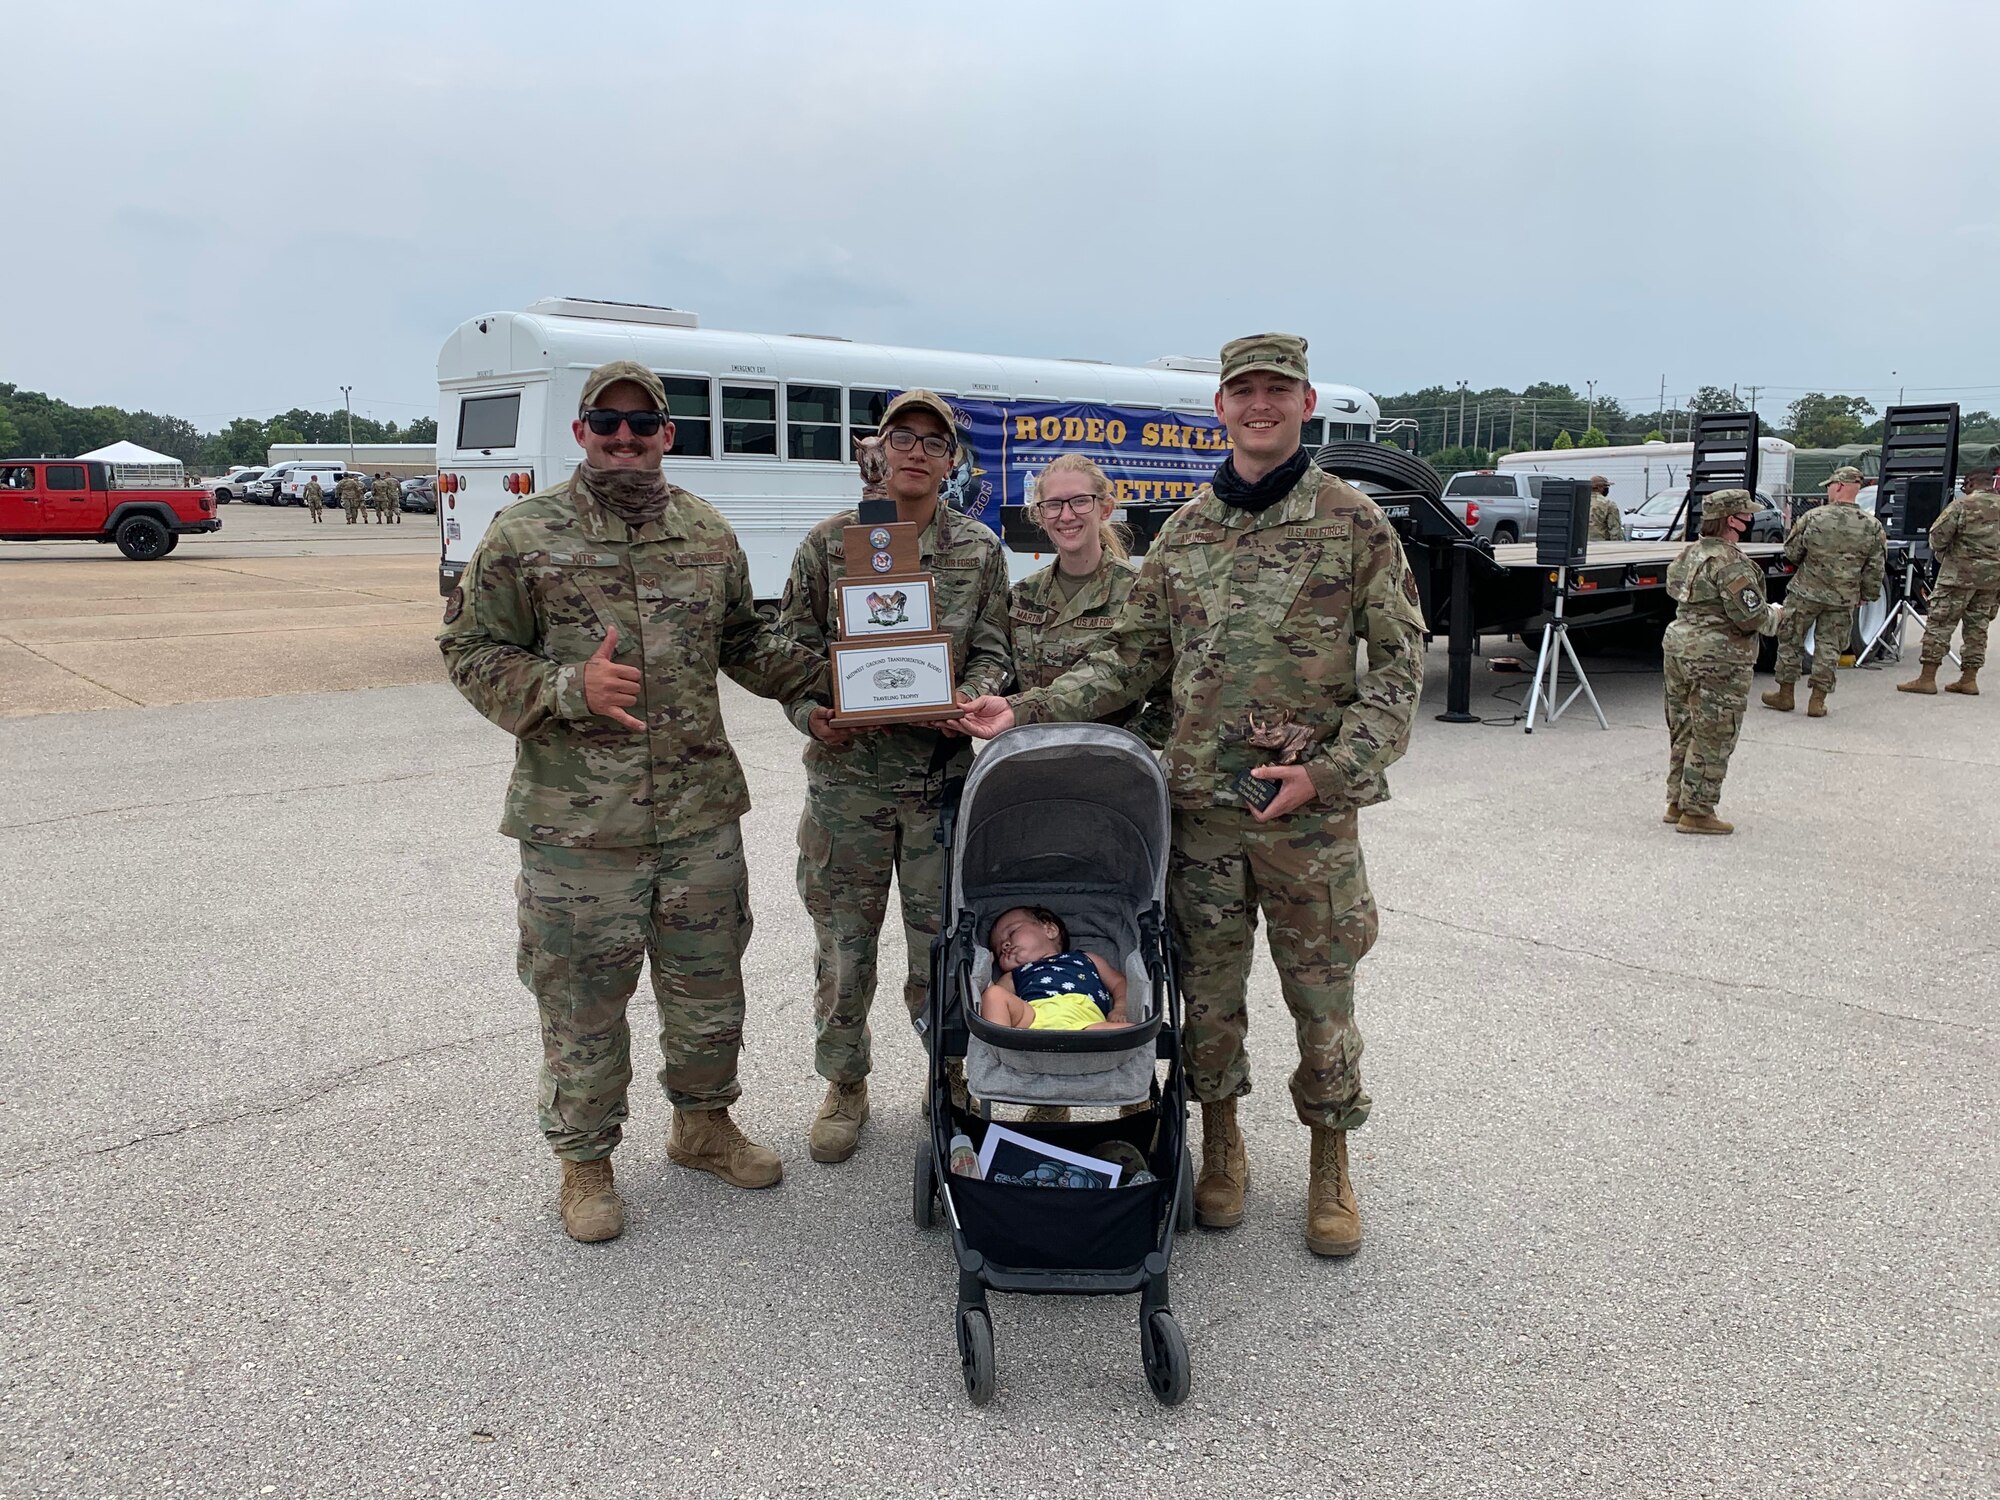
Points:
[(609, 688)]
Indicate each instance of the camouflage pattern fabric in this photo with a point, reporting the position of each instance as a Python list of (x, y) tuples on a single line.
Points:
[(872, 808), (1258, 614), (1710, 652), (589, 918), (349, 493), (315, 498), (1706, 697), (1606, 524), (1966, 539), (551, 574), (389, 500), (1830, 625), (1306, 875), (1051, 634), (1839, 550)]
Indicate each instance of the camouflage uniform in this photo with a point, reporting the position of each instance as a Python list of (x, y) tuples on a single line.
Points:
[(315, 498), (1606, 525), (1839, 550), (630, 846), (872, 807), (348, 491), (1966, 539), (1711, 651), (1051, 634), (389, 500), (1259, 613)]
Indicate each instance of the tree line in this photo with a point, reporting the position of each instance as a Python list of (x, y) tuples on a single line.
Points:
[(1469, 429), (35, 425)]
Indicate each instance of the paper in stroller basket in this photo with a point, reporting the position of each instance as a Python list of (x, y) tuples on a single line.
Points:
[(1007, 1156)]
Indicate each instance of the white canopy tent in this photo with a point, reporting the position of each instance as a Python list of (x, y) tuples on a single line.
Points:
[(133, 467)]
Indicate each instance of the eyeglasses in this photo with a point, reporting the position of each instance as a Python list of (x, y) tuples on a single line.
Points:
[(903, 440), (603, 421), (1076, 505)]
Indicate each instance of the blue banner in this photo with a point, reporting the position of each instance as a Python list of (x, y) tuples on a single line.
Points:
[(1150, 455)]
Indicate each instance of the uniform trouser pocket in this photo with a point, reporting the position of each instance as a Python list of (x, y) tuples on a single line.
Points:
[(700, 928)]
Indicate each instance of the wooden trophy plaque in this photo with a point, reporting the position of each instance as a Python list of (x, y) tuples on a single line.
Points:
[(891, 664)]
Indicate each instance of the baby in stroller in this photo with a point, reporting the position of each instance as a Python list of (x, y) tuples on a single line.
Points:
[(1045, 984)]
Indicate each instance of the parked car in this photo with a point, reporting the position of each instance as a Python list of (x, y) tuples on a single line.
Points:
[(234, 485), (1506, 503), (420, 494), (50, 500), (290, 488), (1649, 522)]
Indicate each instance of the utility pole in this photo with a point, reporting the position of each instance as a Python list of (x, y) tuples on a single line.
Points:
[(1590, 415), (1663, 402), (1534, 423), (1461, 414), (1753, 398), (347, 399), (1513, 415)]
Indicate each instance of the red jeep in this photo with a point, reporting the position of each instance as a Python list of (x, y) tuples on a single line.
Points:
[(76, 500)]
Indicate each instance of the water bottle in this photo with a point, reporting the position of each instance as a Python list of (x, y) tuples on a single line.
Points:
[(964, 1160)]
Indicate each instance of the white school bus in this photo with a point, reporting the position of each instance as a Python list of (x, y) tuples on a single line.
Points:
[(763, 423)]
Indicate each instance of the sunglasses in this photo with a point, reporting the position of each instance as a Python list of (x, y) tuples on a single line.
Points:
[(604, 422)]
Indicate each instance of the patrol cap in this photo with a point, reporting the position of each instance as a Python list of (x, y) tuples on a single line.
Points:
[(1846, 474), (1599, 482), (1280, 353), (601, 379), (921, 400), (1720, 503)]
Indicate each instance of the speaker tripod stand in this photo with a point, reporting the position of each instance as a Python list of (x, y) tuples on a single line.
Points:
[(1891, 629), (1548, 666)]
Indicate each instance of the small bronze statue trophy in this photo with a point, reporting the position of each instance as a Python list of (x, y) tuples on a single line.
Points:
[(891, 665), (1289, 739)]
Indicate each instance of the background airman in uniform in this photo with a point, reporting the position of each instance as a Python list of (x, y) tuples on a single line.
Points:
[(348, 492), (1838, 549), (1966, 539), (389, 499), (1606, 525), (315, 499)]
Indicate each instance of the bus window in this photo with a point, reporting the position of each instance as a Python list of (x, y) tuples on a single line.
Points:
[(750, 421), (1314, 433), (864, 412), (489, 421), (812, 422), (687, 404)]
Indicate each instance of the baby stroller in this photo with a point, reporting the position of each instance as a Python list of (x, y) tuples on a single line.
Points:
[(1072, 817)]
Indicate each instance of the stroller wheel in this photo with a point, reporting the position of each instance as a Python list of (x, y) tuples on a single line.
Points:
[(975, 1354), (1166, 1357), (923, 1186), (1184, 1195)]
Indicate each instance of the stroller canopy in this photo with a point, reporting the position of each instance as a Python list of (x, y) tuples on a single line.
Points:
[(1077, 806)]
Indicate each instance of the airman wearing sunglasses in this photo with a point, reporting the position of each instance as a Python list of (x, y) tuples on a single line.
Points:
[(590, 624), (872, 796)]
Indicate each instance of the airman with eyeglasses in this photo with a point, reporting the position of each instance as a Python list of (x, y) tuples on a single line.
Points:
[(872, 795)]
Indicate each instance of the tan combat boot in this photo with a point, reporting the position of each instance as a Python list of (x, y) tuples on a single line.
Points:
[(591, 1207), (1780, 698), (1968, 682), (1816, 704), (1225, 1168), (708, 1141), (1673, 813), (954, 1077), (837, 1131), (1333, 1219), (1703, 823), (1924, 682), (1047, 1114)]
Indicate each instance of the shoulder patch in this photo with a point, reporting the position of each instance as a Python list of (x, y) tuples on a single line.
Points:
[(1752, 599), (1410, 589), (454, 606)]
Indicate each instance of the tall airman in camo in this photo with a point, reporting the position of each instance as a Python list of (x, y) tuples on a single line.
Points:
[(1711, 650), (1966, 539), (315, 499), (872, 795), (1251, 602), (348, 492), (1839, 550), (590, 624), (1606, 525), (389, 499)]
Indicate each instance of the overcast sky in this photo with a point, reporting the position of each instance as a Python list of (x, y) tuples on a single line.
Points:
[(223, 209)]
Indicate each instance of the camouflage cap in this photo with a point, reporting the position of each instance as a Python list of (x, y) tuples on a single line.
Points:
[(1280, 353), (922, 400), (1720, 503), (601, 379), (1846, 474), (1599, 482)]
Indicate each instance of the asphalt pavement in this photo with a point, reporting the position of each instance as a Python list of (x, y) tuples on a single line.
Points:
[(1679, 1182)]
